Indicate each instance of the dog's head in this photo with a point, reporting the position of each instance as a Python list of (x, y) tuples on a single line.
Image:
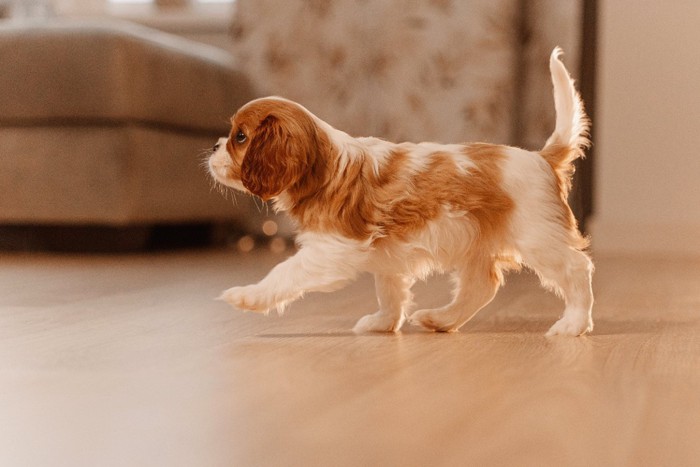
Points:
[(273, 145)]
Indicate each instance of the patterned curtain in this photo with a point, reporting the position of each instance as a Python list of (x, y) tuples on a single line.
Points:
[(417, 70)]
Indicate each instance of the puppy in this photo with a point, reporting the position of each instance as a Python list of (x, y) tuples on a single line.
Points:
[(403, 211)]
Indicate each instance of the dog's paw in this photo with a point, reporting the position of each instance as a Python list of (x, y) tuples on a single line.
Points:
[(378, 322), (248, 298), (433, 320), (571, 326)]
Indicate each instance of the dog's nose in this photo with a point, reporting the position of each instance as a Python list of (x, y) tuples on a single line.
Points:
[(218, 144)]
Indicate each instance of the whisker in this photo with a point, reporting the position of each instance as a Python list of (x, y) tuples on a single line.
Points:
[(258, 206), (225, 191)]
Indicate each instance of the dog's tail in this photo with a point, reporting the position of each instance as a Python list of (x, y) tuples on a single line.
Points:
[(570, 137)]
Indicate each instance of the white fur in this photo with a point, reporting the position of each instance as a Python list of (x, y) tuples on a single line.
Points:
[(324, 263), (219, 164), (571, 126), (536, 238), (543, 245)]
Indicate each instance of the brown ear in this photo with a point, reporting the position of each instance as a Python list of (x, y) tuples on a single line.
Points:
[(276, 158)]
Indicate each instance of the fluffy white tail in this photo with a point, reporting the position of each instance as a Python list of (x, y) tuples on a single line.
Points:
[(570, 136)]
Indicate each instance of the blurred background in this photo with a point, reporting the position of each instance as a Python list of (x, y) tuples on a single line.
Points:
[(109, 106)]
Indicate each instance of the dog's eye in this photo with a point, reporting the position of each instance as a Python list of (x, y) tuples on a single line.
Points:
[(241, 137)]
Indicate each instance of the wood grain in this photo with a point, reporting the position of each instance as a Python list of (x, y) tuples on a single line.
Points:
[(127, 360)]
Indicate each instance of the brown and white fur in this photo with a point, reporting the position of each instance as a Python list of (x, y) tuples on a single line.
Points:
[(403, 211)]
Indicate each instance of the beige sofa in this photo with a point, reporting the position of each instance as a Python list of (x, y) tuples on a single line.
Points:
[(107, 124)]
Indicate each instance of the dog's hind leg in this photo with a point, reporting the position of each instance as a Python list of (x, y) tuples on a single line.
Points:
[(568, 272), (476, 283)]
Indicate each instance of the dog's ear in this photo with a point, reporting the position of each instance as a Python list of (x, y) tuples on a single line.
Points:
[(277, 157)]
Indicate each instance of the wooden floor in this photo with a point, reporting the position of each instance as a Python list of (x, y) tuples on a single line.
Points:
[(127, 361)]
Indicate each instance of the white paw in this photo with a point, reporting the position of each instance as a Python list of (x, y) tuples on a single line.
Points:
[(248, 298), (433, 320), (378, 322), (571, 326)]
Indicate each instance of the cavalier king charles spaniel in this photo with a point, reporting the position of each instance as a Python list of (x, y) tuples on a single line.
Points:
[(403, 211)]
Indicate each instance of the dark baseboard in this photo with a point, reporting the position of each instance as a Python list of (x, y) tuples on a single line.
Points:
[(112, 239)]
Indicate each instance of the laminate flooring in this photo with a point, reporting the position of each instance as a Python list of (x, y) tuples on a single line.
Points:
[(126, 360)]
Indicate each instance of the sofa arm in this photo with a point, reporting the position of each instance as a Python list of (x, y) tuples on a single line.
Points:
[(115, 71), (105, 123)]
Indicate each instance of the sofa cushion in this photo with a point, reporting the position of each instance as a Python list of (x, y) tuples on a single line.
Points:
[(93, 71)]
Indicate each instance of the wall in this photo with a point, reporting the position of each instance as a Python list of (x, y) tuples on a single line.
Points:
[(648, 128)]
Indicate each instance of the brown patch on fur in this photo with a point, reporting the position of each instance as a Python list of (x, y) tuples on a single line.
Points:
[(560, 158), (332, 199), (286, 151), (280, 148), (443, 184), (395, 203), (488, 201)]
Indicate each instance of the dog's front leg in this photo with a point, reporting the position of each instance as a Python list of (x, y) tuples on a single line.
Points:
[(323, 264), (394, 297)]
